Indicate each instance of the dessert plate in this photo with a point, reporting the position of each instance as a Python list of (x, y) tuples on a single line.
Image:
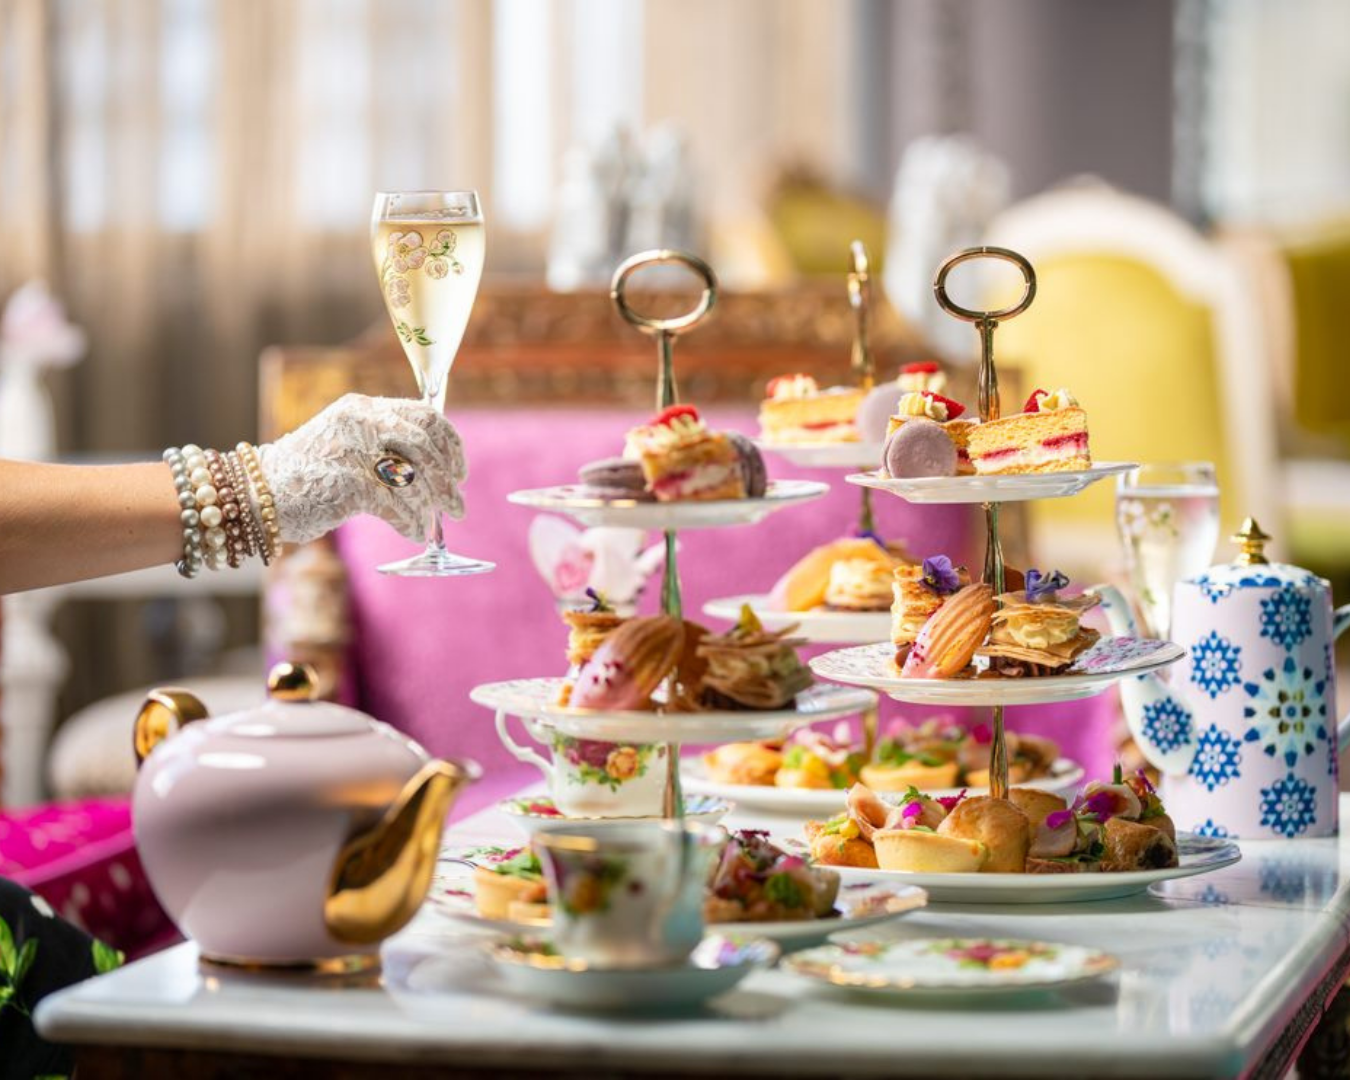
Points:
[(837, 455), (532, 813), (1013, 487), (536, 699), (860, 904), (951, 965), (532, 967), (1199, 855), (571, 499), (807, 802), (820, 625), (1107, 662)]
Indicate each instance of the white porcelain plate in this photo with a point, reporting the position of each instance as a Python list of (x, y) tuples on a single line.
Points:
[(860, 904), (951, 965), (819, 625), (530, 966), (1014, 487), (571, 499), (812, 803), (536, 699), (534, 812), (1107, 662), (1199, 855), (836, 455)]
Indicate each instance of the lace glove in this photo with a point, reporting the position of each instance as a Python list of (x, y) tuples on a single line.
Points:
[(323, 472)]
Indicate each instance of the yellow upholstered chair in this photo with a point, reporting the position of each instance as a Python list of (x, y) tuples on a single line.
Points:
[(1153, 329)]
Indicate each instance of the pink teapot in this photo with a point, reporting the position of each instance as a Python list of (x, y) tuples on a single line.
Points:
[(297, 834), (1243, 729)]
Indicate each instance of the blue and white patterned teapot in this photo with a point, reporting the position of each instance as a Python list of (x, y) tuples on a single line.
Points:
[(1243, 731)]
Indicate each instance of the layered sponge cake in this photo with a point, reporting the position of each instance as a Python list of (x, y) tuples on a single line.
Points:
[(796, 410), (1049, 435), (681, 459)]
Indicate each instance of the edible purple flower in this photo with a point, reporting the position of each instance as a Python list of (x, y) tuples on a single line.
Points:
[(1144, 782), (1101, 805), (951, 802), (868, 534), (1058, 818), (1042, 586), (598, 601), (912, 810), (939, 576)]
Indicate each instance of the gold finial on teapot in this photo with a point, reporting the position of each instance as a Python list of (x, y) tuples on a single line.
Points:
[(1251, 542), (292, 682)]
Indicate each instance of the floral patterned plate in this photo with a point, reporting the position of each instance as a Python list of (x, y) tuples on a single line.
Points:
[(951, 965), (534, 812), (1107, 662), (821, 625), (859, 904), (537, 699), (821, 803), (532, 967), (1199, 855), (1013, 487), (572, 499), (835, 455)]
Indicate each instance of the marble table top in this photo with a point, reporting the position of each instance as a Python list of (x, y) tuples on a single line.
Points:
[(1218, 973)]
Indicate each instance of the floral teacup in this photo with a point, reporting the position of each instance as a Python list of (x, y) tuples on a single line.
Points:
[(628, 896), (588, 778)]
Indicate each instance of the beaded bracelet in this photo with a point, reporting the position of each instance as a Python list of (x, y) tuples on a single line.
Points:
[(190, 564), (248, 515), (199, 479), (267, 510), (236, 547)]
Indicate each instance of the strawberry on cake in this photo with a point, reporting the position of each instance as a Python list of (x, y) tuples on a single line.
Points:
[(1049, 435), (796, 410), (681, 459), (929, 405)]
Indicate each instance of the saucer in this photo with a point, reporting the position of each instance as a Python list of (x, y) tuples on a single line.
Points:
[(532, 813), (533, 967)]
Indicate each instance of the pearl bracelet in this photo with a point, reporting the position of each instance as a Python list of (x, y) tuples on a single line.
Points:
[(267, 511), (190, 564), (250, 527)]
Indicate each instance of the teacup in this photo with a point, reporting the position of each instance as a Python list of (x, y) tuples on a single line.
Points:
[(628, 896), (588, 778)]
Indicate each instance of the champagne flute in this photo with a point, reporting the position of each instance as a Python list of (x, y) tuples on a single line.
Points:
[(429, 248), (1168, 519)]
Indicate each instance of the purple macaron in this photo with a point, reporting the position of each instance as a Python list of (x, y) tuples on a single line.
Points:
[(752, 465), (919, 447), (614, 478)]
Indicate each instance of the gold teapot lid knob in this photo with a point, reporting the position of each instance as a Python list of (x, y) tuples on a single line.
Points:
[(1251, 543), (289, 681)]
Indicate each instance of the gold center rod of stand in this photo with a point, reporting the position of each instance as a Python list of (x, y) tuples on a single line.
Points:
[(986, 322), (665, 331)]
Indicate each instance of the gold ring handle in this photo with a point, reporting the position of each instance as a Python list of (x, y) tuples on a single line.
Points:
[(662, 256), (951, 307), (166, 710)]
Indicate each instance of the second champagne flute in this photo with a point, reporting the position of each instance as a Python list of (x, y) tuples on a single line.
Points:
[(429, 248)]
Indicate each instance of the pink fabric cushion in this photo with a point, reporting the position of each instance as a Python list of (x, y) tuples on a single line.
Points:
[(422, 645), (80, 857)]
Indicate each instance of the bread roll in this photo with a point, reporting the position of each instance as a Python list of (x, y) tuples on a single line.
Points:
[(996, 823), (1132, 846), (1037, 805), (927, 853)]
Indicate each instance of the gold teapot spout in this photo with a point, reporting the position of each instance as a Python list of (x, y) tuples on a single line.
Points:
[(166, 710), (381, 876)]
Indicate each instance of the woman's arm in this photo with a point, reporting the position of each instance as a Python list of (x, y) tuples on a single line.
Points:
[(61, 523)]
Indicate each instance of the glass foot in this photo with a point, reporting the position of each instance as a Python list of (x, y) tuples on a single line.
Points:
[(437, 562)]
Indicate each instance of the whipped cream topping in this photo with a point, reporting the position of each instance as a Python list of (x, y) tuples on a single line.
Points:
[(1056, 400), (918, 381), (919, 404), (790, 387), (675, 432)]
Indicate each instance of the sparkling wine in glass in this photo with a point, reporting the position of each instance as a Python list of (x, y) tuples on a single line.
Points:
[(429, 248), (1168, 518)]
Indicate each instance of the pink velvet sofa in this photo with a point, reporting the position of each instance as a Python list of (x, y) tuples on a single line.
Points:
[(421, 645)]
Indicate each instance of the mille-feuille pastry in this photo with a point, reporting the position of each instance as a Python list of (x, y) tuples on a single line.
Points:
[(630, 664), (754, 763), (942, 411), (1049, 435), (752, 668), (804, 585), (1036, 631), (796, 410), (586, 629), (682, 460), (997, 824), (860, 585), (916, 594), (947, 643)]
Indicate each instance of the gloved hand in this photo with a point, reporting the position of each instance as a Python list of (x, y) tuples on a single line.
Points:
[(325, 471)]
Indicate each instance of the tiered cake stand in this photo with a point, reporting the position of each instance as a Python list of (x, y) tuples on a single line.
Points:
[(1111, 659), (535, 699)]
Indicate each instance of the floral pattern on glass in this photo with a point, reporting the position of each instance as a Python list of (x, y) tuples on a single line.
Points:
[(408, 253)]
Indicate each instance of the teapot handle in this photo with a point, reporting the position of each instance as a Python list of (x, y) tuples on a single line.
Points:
[(521, 753), (1340, 622), (165, 711)]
